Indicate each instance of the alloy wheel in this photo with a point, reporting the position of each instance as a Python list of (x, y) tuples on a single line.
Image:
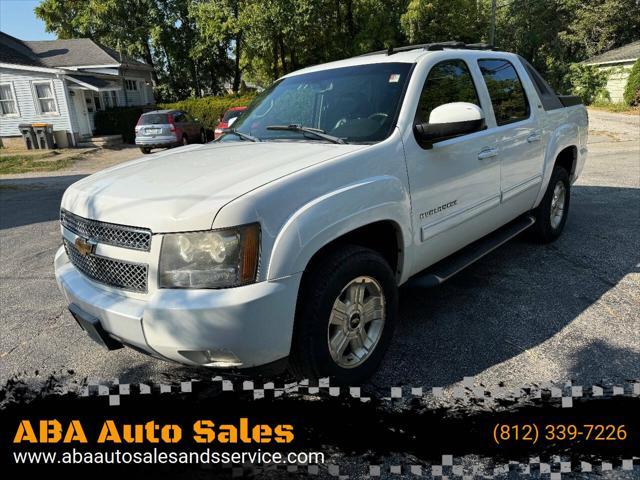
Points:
[(356, 322), (558, 204)]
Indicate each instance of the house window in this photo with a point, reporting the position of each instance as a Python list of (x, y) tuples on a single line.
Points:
[(131, 84), (114, 99), (8, 104), (45, 97)]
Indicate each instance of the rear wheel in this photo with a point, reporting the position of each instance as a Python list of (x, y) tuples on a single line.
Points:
[(345, 317), (145, 150), (203, 136), (551, 214)]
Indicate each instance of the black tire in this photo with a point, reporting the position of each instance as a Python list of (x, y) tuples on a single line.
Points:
[(544, 231), (145, 150), (203, 136), (185, 140), (322, 284)]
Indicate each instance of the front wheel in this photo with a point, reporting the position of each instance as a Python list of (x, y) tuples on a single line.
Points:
[(345, 317), (145, 150), (551, 214)]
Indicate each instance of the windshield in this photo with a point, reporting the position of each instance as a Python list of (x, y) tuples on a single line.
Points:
[(357, 104)]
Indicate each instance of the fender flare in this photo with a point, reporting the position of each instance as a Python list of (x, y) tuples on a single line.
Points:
[(335, 214), (561, 138)]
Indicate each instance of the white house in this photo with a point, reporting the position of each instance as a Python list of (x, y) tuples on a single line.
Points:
[(64, 82), (617, 63)]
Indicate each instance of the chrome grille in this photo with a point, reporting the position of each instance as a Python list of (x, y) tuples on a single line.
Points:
[(115, 273), (111, 233)]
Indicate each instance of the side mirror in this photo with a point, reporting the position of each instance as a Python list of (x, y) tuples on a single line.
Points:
[(448, 121)]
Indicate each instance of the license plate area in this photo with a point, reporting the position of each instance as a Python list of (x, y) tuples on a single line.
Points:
[(152, 131), (93, 327)]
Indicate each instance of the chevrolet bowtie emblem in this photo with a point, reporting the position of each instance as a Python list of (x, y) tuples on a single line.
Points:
[(85, 247)]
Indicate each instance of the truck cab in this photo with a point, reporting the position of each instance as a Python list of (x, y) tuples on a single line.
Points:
[(285, 241)]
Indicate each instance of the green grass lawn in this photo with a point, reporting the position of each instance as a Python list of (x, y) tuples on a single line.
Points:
[(46, 161)]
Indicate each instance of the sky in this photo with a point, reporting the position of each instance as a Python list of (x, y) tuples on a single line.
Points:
[(17, 19)]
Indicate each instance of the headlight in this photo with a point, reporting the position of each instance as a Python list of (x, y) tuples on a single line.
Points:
[(215, 259)]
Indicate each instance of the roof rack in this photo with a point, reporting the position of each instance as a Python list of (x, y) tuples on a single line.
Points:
[(430, 47)]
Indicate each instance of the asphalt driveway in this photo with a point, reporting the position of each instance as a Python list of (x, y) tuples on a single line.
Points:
[(526, 313)]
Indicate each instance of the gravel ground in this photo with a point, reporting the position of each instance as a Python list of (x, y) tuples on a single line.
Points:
[(526, 313), (95, 159)]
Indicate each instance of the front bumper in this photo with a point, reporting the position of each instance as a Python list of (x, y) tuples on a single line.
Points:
[(241, 327)]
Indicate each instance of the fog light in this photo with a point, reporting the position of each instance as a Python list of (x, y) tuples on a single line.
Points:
[(212, 358)]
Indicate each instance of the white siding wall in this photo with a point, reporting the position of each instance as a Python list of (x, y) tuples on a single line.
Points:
[(73, 117), (617, 81), (144, 94), (149, 90), (28, 113), (133, 96), (120, 94)]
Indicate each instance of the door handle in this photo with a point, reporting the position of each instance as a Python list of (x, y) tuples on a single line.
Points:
[(488, 153), (534, 137)]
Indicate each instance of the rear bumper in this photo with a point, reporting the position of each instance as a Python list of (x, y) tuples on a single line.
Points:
[(237, 327), (157, 142)]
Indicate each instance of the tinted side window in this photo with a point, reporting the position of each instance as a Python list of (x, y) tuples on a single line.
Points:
[(507, 93), (178, 117), (448, 81), (548, 97)]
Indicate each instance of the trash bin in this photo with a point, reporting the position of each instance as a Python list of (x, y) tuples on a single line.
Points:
[(28, 135), (44, 134)]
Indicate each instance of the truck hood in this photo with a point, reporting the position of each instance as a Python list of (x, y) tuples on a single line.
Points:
[(183, 189)]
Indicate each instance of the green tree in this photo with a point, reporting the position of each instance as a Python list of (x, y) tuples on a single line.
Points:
[(553, 34), (219, 30), (600, 25), (124, 25), (196, 46), (588, 82), (442, 20), (632, 89)]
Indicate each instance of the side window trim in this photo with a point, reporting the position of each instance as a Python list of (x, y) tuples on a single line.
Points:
[(524, 91)]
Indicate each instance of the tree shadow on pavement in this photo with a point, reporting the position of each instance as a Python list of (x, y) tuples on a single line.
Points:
[(26, 201), (524, 294), (603, 362)]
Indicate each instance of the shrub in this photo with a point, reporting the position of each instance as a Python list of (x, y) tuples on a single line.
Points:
[(632, 90), (588, 82), (118, 121), (209, 109)]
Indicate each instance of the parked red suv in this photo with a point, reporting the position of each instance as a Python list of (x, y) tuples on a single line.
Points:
[(229, 116), (168, 128)]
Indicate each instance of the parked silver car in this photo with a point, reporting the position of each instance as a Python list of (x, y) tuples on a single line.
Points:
[(168, 128)]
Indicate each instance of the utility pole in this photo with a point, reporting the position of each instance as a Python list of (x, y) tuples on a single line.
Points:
[(492, 33)]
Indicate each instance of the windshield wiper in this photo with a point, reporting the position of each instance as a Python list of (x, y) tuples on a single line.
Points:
[(244, 136), (314, 131)]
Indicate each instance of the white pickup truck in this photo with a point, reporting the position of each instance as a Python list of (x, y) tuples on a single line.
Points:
[(285, 241)]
